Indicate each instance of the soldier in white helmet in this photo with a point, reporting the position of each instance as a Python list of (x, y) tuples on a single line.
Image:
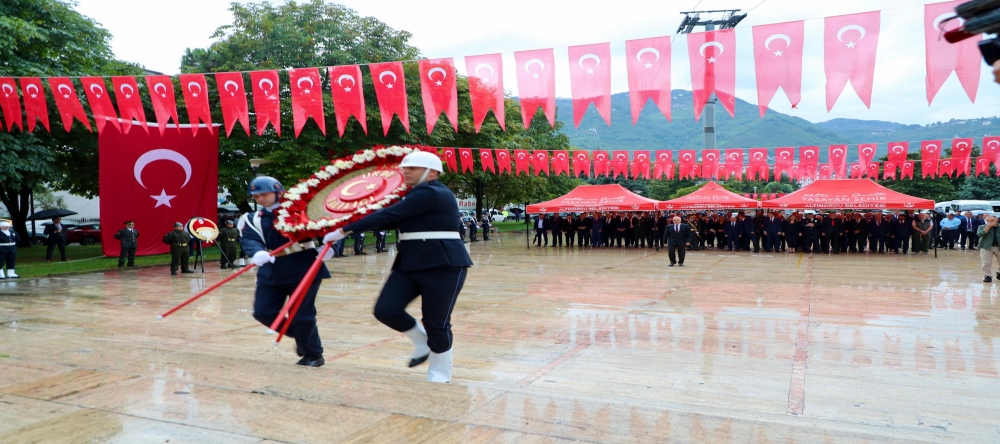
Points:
[(431, 262), (8, 249)]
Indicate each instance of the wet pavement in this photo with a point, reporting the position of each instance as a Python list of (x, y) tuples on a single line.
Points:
[(551, 345)]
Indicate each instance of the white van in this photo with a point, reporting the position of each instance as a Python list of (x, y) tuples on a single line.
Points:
[(977, 207)]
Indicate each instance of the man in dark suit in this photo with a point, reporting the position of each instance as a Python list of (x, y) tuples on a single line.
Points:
[(621, 229), (608, 232), (772, 232), (810, 234), (970, 226), (832, 230), (541, 233), (678, 237), (129, 239), (877, 231), (733, 232), (556, 228), (55, 237), (965, 219)]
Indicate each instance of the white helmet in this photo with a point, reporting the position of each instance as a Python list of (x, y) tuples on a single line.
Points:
[(422, 159)]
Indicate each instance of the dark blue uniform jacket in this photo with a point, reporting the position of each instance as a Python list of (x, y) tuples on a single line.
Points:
[(286, 269)]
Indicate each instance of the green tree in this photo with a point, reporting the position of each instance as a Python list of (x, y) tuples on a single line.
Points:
[(985, 187)]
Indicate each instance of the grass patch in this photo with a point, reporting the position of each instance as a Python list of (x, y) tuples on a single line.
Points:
[(86, 258)]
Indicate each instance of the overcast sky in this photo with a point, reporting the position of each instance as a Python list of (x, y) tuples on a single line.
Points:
[(155, 34)]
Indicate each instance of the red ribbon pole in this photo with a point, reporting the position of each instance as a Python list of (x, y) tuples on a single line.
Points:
[(296, 299), (220, 283)]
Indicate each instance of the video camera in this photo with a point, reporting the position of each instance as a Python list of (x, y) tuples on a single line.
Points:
[(980, 17)]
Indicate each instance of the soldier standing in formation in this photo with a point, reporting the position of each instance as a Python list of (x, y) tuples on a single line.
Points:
[(380, 241), (178, 241), (129, 239), (8, 250), (229, 239)]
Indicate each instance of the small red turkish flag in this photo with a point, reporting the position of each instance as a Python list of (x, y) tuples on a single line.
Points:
[(850, 43), (897, 152), (560, 162), (648, 74), (991, 148), (777, 52), (930, 152), (466, 160), (503, 161), (889, 170), (982, 165), (348, 96), (856, 171), (866, 152), (946, 168), (10, 103), (825, 171), (757, 167), (783, 160), (734, 163), (687, 159), (664, 164), (233, 100), (307, 98), (266, 100), (713, 68), (100, 103), (439, 91), (390, 89), (641, 168), (485, 74), (944, 57), (34, 102), (602, 163), (195, 91), (449, 159), (837, 159), (961, 152), (67, 102), (540, 161), (907, 168), (590, 80), (161, 94), (521, 161), (536, 84), (809, 160), (486, 160), (709, 164), (619, 163), (129, 102), (581, 163), (795, 172)]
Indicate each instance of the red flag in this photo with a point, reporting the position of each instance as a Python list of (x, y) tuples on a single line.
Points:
[(783, 160), (619, 164), (581, 163), (161, 94), (961, 149), (930, 152), (540, 161), (590, 80), (734, 163), (795, 172), (777, 52), (889, 170), (713, 68), (390, 89), (129, 102), (100, 103), (897, 152), (850, 43), (946, 168), (67, 102), (709, 164), (857, 171), (837, 159), (34, 102), (982, 165), (10, 103), (503, 161), (664, 164), (485, 74), (348, 96), (486, 160), (866, 152), (943, 57), (266, 101), (439, 91), (648, 74), (991, 149), (602, 163), (825, 171), (641, 163), (465, 159), (521, 161), (687, 159), (809, 160), (233, 100), (195, 91), (560, 162), (907, 170), (536, 84), (307, 98), (449, 159), (155, 181)]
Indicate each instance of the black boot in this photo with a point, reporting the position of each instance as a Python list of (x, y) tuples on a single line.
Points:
[(312, 361)]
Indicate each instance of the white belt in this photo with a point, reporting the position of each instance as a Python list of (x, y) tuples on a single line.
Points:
[(295, 248), (12, 244), (425, 235)]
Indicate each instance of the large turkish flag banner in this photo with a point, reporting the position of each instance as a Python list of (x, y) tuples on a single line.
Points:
[(155, 180), (439, 91), (348, 96), (536, 84), (648, 74), (713, 68), (777, 52), (590, 80), (485, 74), (943, 57), (850, 43)]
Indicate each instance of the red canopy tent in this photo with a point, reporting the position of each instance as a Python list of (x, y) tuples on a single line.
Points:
[(710, 196), (848, 194), (595, 198)]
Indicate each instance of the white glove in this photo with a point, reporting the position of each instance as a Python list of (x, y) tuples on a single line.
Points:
[(262, 257), (334, 237), (329, 253)]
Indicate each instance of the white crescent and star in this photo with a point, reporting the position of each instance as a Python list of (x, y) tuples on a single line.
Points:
[(430, 75), (298, 83), (867, 150), (541, 66), (758, 155), (850, 44), (931, 147), (654, 51), (767, 43), (8, 89), (343, 77), (100, 89), (161, 154), (594, 57), (897, 149), (68, 90), (191, 86), (156, 88), (381, 78), (961, 144), (705, 45), (236, 87), (270, 85), (520, 155), (481, 66), (28, 90), (808, 153), (838, 151)]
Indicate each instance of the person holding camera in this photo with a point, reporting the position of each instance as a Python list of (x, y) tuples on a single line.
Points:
[(55, 234)]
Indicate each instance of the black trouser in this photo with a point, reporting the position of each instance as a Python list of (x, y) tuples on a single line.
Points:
[(809, 242), (582, 237), (834, 240), (973, 239), (734, 243), (472, 232), (877, 243), (901, 242), (962, 237), (540, 235), (52, 246), (486, 232), (640, 239), (655, 240), (629, 237), (608, 238), (709, 239), (756, 242), (619, 237), (949, 238), (771, 241), (675, 252), (557, 238), (824, 243), (379, 241), (127, 252), (438, 288), (570, 235), (745, 241), (267, 303), (359, 243), (228, 257), (8, 255), (178, 257)]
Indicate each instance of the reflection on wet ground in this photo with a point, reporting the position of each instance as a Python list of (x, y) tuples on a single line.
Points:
[(551, 345)]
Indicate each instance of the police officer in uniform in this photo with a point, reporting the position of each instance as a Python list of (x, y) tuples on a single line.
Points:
[(431, 262), (129, 239), (278, 276), (178, 241), (8, 250), (229, 239)]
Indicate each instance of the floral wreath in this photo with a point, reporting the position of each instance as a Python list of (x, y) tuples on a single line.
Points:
[(293, 218)]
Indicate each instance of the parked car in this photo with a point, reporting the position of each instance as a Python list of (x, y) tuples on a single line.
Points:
[(39, 237), (86, 234), (497, 216)]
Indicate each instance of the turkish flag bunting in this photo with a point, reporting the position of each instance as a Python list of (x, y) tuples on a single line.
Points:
[(10, 103), (601, 163), (155, 180), (866, 152), (195, 91), (641, 164), (161, 94), (67, 102), (983, 165), (390, 90), (619, 163), (809, 160), (757, 167), (560, 162), (503, 161), (664, 164), (850, 43), (485, 75), (686, 160), (783, 160), (907, 168), (540, 162), (734, 163), (777, 52), (946, 167), (521, 162), (307, 98), (991, 149), (129, 102), (449, 159), (856, 171), (944, 57), (710, 164), (581, 163), (439, 91), (795, 172), (466, 160), (348, 96), (961, 152), (898, 151), (233, 100), (100, 102), (486, 160), (930, 152), (713, 68), (889, 170), (590, 80), (648, 74), (266, 100), (34, 102), (536, 84), (825, 172), (837, 159)]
